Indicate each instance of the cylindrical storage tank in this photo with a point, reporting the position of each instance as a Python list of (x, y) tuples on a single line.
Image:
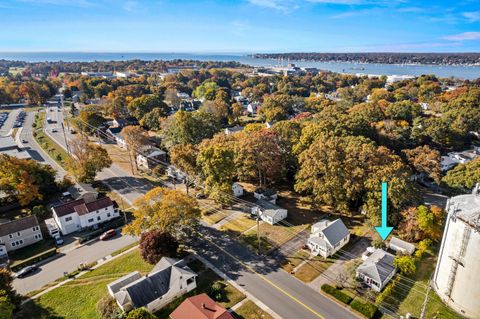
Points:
[(457, 275)]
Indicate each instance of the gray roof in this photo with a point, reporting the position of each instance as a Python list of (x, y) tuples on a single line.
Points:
[(123, 281), (335, 231), (399, 244), (164, 278), (378, 266), (7, 143), (267, 208), (17, 225)]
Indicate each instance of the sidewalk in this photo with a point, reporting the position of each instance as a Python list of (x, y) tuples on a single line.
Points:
[(239, 288)]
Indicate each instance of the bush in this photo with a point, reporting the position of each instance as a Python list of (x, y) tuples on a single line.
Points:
[(108, 309), (366, 309), (35, 259), (337, 294), (140, 313)]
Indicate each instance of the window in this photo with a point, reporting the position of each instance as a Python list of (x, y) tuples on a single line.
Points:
[(90, 220), (13, 244), (67, 219), (99, 218), (190, 280), (21, 242), (18, 233), (108, 214), (10, 236)]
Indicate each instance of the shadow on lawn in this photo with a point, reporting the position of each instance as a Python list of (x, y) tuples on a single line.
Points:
[(32, 310)]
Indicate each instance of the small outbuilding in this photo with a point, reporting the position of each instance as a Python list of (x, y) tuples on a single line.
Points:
[(401, 246)]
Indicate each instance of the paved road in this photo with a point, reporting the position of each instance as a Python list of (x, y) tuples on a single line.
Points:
[(8, 125), (283, 293), (277, 289), (69, 262), (34, 149)]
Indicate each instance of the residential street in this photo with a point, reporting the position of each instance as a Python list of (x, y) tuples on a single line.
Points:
[(277, 289), (69, 262)]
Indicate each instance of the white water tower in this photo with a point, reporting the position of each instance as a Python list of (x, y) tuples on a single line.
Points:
[(457, 275)]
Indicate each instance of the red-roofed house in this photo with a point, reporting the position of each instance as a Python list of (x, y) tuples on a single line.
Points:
[(200, 307), (75, 215)]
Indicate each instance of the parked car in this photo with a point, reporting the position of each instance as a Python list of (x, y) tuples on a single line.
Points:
[(58, 240), (24, 141), (54, 130), (27, 270), (108, 234)]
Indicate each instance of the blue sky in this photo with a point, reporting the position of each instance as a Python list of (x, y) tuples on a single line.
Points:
[(240, 25)]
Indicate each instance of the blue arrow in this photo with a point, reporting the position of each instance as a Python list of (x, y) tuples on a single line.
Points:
[(384, 230)]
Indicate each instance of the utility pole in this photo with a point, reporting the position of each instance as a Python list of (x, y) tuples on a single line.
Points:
[(124, 212), (258, 229), (424, 308)]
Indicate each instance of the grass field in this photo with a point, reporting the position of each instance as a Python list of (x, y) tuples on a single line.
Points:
[(24, 253), (250, 310), (409, 298), (239, 224), (313, 268), (212, 217), (77, 299)]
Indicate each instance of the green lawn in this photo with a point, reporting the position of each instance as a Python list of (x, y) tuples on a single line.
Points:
[(249, 310), (77, 299), (409, 298), (56, 152), (239, 224)]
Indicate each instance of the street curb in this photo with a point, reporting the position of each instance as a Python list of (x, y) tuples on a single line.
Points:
[(350, 309), (100, 262), (238, 287)]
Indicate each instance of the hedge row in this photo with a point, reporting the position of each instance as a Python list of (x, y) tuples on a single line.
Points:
[(346, 299), (35, 259), (366, 309)]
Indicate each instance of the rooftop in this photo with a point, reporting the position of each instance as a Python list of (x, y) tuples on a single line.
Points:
[(378, 266), (17, 225), (466, 207), (200, 307)]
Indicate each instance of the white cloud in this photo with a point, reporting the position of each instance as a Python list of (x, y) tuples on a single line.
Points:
[(465, 36), (472, 16), (280, 5)]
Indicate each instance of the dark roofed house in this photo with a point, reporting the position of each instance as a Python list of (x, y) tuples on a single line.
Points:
[(82, 213), (377, 269), (19, 233), (200, 307), (168, 280), (267, 194)]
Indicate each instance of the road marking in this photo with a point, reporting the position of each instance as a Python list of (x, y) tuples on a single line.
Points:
[(265, 278)]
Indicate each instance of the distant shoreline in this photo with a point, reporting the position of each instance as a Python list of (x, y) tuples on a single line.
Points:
[(400, 59)]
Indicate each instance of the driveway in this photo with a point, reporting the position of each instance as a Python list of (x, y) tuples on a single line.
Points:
[(329, 276)]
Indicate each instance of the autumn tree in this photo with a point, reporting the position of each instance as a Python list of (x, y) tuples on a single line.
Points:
[(144, 104), (153, 119), (155, 244), (8, 296), (217, 164), (277, 107), (346, 173), (259, 157), (87, 159), (464, 176), (188, 128), (185, 158), (25, 180), (425, 160), (165, 210), (6, 306), (405, 264), (89, 119), (419, 223)]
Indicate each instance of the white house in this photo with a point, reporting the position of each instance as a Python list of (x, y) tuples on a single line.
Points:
[(149, 157), (175, 173), (116, 133), (252, 108), (78, 214), (19, 233), (267, 194), (454, 158), (235, 129), (268, 212), (328, 237), (377, 269), (401, 246), (237, 190), (168, 280)]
